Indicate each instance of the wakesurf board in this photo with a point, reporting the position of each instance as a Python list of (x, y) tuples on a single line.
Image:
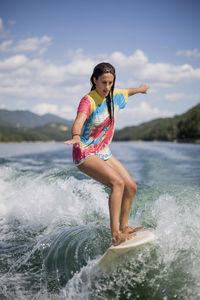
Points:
[(114, 254)]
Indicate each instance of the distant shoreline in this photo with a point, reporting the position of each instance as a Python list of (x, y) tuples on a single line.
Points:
[(185, 141), (29, 142), (184, 128)]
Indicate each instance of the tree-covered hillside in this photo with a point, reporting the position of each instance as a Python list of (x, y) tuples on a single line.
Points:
[(28, 119), (51, 131), (183, 128), (18, 126)]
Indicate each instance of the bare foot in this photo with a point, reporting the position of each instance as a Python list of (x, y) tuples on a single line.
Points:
[(121, 237), (129, 229)]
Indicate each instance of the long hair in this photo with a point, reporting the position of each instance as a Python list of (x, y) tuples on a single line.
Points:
[(99, 70)]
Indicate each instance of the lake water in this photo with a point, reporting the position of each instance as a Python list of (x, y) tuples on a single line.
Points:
[(54, 224)]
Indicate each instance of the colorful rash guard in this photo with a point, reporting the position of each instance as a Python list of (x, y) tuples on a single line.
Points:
[(97, 131)]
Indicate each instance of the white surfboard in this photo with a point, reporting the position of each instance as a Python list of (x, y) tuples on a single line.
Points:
[(115, 254)]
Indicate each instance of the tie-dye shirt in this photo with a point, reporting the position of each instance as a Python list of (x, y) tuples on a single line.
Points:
[(97, 130)]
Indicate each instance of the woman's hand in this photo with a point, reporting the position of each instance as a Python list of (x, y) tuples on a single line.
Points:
[(76, 140), (76, 129), (143, 88)]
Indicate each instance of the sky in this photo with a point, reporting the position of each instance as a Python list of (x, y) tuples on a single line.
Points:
[(48, 50)]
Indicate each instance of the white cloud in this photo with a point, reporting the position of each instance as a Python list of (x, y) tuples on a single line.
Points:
[(3, 31), (20, 103), (51, 75), (12, 63), (44, 108), (74, 53), (142, 113), (5, 45), (79, 63), (23, 78), (137, 59), (32, 91), (11, 22), (28, 45), (73, 89), (138, 67), (65, 111), (1, 24), (33, 44), (37, 79), (189, 53), (47, 72), (80, 67), (167, 73), (173, 97)]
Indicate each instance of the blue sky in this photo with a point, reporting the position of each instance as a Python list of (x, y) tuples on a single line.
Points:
[(49, 48)]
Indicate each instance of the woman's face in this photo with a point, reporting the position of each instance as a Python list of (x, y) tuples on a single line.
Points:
[(104, 84)]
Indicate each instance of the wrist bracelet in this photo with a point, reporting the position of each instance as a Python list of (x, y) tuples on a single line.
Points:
[(75, 134)]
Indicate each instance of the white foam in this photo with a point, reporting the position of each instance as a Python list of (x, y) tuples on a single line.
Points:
[(169, 150), (46, 199), (79, 287), (177, 230)]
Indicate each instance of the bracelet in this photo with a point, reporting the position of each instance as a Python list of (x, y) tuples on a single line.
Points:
[(75, 134)]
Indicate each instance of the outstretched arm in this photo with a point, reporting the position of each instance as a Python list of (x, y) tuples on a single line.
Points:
[(77, 128), (142, 89)]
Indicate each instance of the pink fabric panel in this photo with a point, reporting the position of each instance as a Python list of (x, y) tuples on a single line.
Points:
[(85, 106)]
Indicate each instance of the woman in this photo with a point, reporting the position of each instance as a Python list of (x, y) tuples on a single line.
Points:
[(92, 133)]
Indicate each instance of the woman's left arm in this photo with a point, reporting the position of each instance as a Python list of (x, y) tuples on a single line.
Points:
[(142, 89)]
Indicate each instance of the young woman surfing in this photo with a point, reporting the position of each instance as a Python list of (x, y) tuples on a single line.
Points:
[(92, 133)]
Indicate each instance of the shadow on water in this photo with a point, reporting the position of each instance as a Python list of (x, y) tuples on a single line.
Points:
[(67, 251), (52, 262)]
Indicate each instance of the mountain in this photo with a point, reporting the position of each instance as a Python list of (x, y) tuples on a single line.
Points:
[(27, 119), (48, 118), (183, 128), (51, 131), (18, 126)]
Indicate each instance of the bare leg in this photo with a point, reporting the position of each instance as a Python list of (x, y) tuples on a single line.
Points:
[(130, 189), (98, 169)]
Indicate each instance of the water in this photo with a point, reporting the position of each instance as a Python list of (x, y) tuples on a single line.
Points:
[(54, 224)]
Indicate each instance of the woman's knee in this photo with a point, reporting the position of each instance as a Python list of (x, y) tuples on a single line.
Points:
[(131, 188), (117, 182)]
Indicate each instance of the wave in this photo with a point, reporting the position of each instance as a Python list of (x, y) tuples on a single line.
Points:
[(168, 268), (54, 226)]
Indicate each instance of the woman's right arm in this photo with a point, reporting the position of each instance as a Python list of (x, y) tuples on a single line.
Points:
[(77, 128)]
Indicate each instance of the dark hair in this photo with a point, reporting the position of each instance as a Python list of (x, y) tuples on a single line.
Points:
[(99, 70)]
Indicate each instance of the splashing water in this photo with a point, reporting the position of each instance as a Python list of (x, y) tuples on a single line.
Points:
[(54, 225)]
